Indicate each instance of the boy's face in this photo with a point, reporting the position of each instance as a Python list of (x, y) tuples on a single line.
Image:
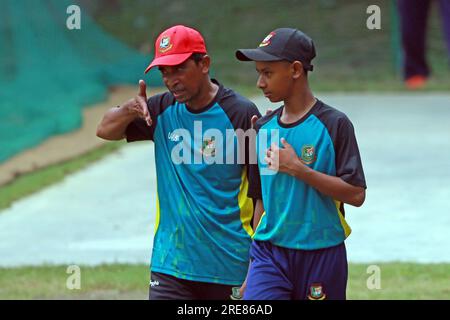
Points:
[(184, 81), (275, 79)]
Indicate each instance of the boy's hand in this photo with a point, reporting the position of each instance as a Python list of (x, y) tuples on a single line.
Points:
[(283, 159)]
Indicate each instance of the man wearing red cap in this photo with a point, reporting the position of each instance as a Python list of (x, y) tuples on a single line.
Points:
[(204, 204)]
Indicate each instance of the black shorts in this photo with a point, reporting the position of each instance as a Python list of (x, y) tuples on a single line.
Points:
[(167, 287)]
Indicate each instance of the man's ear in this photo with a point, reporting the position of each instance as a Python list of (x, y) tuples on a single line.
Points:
[(297, 69), (205, 63)]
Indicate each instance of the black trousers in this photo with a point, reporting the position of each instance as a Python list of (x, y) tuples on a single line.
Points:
[(167, 287), (413, 23)]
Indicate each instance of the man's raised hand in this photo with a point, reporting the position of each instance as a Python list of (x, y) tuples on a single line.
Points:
[(138, 104)]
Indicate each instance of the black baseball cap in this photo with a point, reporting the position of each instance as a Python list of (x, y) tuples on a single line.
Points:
[(282, 44)]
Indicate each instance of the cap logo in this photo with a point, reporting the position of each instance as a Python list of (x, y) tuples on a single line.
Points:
[(164, 44), (266, 40)]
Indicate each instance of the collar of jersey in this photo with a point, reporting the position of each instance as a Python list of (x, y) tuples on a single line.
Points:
[(209, 105), (299, 121)]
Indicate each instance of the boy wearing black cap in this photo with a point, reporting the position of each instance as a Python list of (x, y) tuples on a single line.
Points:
[(298, 250)]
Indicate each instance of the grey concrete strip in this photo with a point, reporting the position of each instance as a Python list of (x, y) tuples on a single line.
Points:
[(105, 214)]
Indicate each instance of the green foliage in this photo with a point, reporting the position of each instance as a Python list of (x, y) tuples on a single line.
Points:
[(349, 56)]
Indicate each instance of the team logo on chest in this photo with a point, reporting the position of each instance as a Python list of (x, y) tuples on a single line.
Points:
[(209, 147), (308, 155), (316, 292), (164, 44)]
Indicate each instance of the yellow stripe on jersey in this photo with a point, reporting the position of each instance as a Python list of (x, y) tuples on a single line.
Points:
[(245, 204), (344, 224), (158, 212), (259, 222)]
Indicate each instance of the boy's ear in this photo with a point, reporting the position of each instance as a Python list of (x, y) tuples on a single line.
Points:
[(297, 69)]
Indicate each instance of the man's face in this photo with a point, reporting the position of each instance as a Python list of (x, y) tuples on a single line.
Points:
[(184, 80), (275, 79)]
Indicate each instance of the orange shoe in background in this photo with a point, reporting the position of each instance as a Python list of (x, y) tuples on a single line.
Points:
[(415, 82)]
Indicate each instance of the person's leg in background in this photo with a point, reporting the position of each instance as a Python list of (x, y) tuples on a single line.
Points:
[(413, 25), (445, 13)]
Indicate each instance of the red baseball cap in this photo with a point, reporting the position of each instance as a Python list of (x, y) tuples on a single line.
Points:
[(175, 45)]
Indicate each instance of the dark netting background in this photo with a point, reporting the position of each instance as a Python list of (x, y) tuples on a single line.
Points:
[(48, 73)]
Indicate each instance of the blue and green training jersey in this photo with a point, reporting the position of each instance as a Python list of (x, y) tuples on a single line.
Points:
[(298, 216), (203, 213)]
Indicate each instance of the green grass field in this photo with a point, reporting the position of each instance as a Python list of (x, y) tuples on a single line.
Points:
[(398, 281)]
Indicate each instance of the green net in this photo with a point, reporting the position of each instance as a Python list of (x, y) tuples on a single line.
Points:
[(48, 73)]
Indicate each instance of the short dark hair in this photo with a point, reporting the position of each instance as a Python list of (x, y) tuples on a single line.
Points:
[(197, 57)]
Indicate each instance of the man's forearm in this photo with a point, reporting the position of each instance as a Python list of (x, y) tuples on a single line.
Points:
[(331, 186), (114, 123)]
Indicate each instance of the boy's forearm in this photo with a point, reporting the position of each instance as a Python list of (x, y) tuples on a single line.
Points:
[(331, 186), (257, 214), (259, 210)]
